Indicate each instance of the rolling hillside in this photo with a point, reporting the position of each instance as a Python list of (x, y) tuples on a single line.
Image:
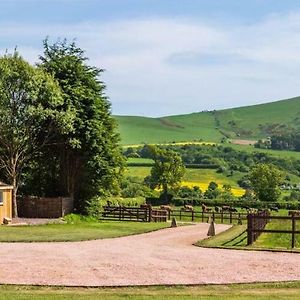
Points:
[(249, 122)]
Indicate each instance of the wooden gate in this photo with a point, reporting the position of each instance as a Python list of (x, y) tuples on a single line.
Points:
[(123, 213), (139, 214)]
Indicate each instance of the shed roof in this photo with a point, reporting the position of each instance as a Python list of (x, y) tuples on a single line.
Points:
[(4, 186)]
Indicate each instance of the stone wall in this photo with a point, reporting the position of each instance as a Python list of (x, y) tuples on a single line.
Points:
[(41, 207)]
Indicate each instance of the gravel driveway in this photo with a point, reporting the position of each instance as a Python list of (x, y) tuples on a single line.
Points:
[(162, 257)]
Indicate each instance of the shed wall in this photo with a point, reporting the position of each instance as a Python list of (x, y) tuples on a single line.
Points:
[(6, 208)]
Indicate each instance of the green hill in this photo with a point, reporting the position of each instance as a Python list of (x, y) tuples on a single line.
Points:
[(249, 122)]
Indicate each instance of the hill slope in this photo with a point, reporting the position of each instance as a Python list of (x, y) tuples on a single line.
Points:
[(249, 122)]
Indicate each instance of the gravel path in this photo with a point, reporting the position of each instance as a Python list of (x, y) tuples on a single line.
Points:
[(162, 257)]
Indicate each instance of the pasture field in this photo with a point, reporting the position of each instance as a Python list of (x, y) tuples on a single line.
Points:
[(259, 291), (278, 240), (194, 177), (140, 130), (76, 230), (247, 122)]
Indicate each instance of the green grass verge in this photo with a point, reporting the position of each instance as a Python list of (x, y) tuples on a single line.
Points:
[(78, 231), (234, 237), (287, 290)]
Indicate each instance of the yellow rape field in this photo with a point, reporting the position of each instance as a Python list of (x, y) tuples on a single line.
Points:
[(238, 192), (170, 144)]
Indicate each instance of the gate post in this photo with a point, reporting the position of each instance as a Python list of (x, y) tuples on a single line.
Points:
[(149, 214), (249, 229)]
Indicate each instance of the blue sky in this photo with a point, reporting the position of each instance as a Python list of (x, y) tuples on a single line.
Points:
[(166, 57)]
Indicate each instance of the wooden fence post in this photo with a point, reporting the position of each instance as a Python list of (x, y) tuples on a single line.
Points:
[(192, 216), (230, 217), (249, 229), (202, 216), (293, 230)]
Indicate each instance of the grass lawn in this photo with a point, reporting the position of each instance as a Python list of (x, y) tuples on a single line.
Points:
[(288, 290), (78, 231)]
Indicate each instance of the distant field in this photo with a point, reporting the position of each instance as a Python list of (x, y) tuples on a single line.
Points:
[(243, 123), (193, 127), (194, 177)]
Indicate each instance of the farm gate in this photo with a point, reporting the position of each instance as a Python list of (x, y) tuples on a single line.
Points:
[(139, 214)]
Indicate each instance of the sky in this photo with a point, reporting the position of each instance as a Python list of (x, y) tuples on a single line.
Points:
[(166, 57)]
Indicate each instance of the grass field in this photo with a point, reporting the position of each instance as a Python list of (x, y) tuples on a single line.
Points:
[(259, 291), (243, 122), (76, 231), (278, 240)]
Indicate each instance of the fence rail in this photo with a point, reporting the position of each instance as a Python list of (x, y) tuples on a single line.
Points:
[(202, 216), (138, 214), (257, 223), (122, 213)]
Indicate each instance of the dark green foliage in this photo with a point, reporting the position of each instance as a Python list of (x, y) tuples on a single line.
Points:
[(212, 191), (132, 187), (86, 161), (188, 192)]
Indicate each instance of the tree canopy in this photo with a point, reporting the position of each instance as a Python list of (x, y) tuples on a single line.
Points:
[(87, 160), (167, 171), (265, 180), (29, 99)]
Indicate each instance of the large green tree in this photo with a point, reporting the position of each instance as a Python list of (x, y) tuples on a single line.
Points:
[(167, 171), (28, 116), (265, 180), (88, 160)]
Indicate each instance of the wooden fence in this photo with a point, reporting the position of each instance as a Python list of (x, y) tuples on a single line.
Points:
[(201, 216), (257, 223), (127, 213)]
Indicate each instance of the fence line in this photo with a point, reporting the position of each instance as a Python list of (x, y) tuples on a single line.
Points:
[(257, 223), (140, 214), (202, 216)]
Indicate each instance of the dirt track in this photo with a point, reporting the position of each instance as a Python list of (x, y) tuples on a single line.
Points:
[(162, 257)]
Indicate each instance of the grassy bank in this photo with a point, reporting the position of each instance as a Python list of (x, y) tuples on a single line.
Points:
[(289, 290), (236, 238), (78, 230)]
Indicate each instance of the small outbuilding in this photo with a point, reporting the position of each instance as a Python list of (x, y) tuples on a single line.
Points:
[(5, 202)]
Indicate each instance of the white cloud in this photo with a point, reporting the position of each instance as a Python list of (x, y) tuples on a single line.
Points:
[(169, 66)]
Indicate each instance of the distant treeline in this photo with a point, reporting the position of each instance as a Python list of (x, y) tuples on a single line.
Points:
[(287, 141)]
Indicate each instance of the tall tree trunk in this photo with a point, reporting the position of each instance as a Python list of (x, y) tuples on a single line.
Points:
[(14, 196)]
